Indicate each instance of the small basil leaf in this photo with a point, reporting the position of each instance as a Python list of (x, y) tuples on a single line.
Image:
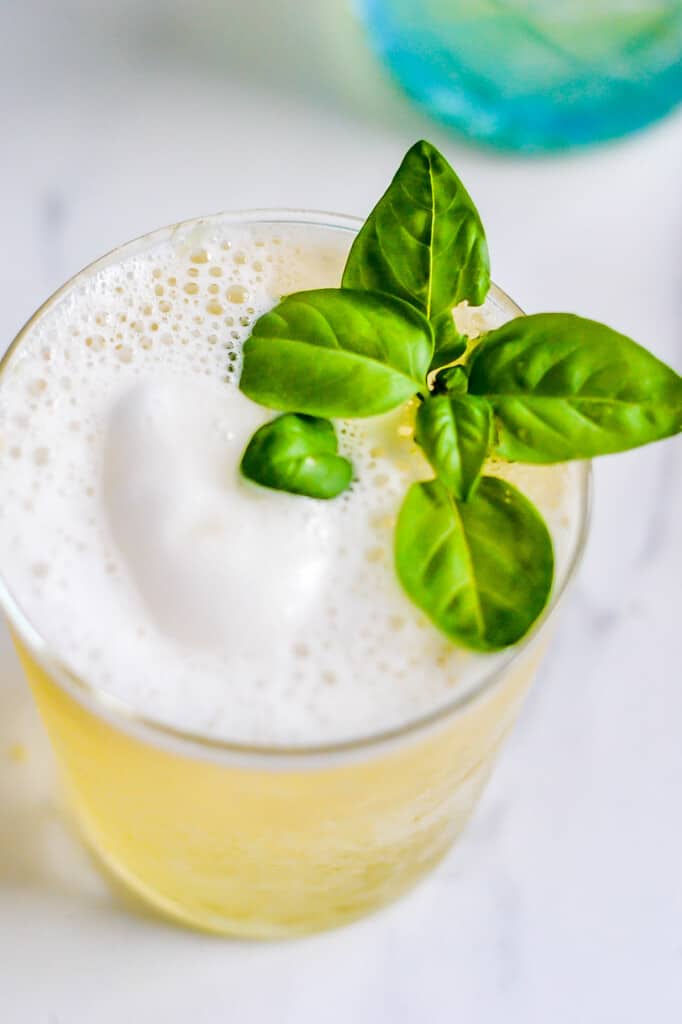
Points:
[(449, 343), (454, 433), (452, 380), (337, 353), (481, 570), (567, 388), (297, 454), (424, 240)]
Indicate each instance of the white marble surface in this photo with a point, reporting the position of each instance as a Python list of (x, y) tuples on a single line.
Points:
[(563, 902)]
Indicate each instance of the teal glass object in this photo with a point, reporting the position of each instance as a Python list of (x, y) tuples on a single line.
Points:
[(534, 74)]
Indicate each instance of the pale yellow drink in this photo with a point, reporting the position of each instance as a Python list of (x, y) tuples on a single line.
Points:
[(276, 827)]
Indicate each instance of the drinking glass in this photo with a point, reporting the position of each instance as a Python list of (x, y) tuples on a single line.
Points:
[(269, 841), (534, 74)]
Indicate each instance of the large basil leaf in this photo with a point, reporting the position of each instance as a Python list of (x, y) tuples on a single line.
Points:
[(337, 353), (454, 432), (481, 570), (567, 388), (424, 240), (298, 454)]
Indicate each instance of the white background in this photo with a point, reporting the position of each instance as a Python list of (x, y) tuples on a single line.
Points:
[(563, 902)]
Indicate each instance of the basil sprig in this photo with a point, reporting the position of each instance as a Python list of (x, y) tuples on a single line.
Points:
[(470, 550)]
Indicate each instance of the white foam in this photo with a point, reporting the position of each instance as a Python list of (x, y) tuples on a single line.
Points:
[(152, 568)]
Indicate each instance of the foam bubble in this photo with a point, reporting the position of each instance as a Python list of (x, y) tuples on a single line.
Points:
[(159, 574)]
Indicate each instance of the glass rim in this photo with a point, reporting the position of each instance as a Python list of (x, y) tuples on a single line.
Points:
[(123, 715)]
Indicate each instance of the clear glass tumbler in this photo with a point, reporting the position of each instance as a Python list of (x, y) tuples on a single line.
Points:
[(266, 841), (534, 74)]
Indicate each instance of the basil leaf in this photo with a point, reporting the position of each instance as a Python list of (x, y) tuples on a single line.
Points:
[(424, 240), (298, 454), (449, 343), (452, 380), (455, 435), (337, 353), (482, 570), (567, 388)]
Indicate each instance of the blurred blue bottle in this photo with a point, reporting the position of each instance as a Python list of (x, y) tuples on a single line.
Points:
[(534, 74)]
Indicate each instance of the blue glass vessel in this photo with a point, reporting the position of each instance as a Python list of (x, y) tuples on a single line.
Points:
[(534, 74)]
